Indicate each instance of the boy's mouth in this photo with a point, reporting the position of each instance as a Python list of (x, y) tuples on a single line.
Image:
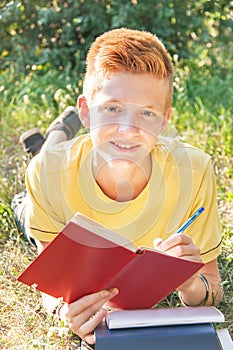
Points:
[(124, 146)]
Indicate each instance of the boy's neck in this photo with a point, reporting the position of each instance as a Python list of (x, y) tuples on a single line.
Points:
[(123, 182)]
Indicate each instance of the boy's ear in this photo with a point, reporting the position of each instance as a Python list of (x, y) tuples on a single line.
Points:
[(84, 114)]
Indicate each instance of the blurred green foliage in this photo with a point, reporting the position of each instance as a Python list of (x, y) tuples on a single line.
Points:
[(39, 34)]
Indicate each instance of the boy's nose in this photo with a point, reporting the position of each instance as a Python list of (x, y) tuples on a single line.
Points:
[(128, 123), (127, 127)]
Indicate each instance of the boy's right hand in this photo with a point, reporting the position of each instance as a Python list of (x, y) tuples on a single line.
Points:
[(86, 313)]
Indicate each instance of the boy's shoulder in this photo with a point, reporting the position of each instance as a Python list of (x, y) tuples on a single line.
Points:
[(181, 153)]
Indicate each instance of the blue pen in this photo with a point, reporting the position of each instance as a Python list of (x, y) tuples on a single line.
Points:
[(190, 220)]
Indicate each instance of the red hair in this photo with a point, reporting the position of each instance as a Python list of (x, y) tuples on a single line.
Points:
[(127, 50)]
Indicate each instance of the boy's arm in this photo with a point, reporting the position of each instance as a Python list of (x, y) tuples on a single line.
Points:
[(193, 292), (84, 314)]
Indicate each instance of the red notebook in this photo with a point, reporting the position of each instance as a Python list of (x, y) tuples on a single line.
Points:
[(86, 257)]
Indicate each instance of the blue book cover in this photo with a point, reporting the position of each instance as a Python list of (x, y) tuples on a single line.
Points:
[(191, 337)]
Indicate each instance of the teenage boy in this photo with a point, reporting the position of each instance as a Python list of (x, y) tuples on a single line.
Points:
[(126, 176)]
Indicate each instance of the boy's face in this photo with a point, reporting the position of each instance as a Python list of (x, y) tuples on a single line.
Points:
[(127, 115)]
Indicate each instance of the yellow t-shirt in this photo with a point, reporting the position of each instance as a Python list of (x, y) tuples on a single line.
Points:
[(60, 183)]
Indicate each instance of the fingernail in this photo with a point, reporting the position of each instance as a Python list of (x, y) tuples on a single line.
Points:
[(114, 291)]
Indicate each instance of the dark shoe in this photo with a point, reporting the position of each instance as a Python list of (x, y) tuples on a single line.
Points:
[(18, 206), (68, 122), (32, 141)]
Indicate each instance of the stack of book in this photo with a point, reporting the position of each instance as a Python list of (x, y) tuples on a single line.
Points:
[(169, 329)]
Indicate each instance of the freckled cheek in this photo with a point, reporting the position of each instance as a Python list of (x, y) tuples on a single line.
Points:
[(97, 122), (150, 132), (101, 134), (153, 128), (149, 143)]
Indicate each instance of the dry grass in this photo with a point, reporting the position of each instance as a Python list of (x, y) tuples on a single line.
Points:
[(23, 322)]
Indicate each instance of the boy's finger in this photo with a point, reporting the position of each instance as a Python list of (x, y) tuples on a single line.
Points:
[(88, 300), (87, 329), (95, 301), (177, 239)]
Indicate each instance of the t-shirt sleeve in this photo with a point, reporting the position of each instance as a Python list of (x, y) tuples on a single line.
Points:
[(208, 234), (39, 221)]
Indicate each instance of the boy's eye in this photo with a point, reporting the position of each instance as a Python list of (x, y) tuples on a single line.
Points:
[(149, 114), (113, 109)]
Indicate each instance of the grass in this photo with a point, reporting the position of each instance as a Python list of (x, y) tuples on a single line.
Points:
[(201, 118)]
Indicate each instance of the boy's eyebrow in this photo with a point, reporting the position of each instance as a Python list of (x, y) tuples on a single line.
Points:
[(152, 106), (111, 100)]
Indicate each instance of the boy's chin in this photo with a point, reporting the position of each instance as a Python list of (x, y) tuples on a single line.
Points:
[(124, 163), (125, 157)]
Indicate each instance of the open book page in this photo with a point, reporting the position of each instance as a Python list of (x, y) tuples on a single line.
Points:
[(102, 231), (163, 317)]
